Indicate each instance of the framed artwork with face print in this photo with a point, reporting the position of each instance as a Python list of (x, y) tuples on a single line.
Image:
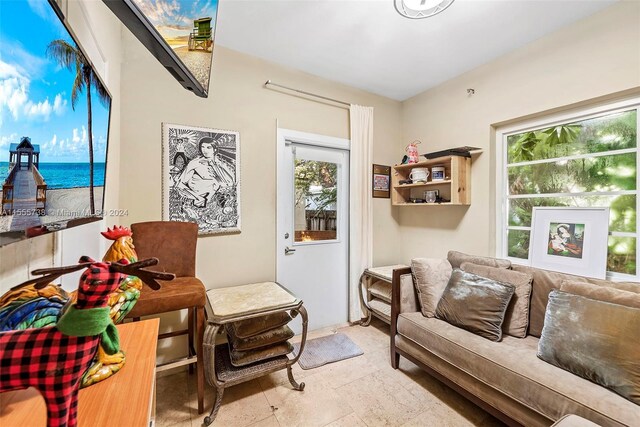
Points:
[(201, 177)]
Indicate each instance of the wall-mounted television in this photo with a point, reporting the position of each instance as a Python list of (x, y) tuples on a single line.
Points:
[(179, 33), (54, 124)]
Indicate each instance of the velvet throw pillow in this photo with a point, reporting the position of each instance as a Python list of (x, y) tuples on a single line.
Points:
[(516, 319), (241, 358), (257, 325), (456, 259), (431, 276), (381, 290), (273, 336), (602, 293), (475, 303), (596, 340)]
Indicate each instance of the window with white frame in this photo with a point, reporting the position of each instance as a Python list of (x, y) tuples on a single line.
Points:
[(585, 159)]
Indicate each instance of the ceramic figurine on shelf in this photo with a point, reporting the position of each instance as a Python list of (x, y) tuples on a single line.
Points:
[(28, 307), (53, 359), (412, 152)]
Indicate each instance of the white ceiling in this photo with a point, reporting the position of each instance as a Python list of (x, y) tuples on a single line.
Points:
[(368, 45)]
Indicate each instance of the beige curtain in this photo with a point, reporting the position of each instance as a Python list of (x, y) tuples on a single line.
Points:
[(360, 211)]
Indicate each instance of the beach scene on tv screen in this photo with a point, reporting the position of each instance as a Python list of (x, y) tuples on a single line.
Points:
[(188, 27), (54, 119)]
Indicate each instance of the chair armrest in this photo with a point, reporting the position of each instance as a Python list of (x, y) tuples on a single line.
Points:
[(403, 295)]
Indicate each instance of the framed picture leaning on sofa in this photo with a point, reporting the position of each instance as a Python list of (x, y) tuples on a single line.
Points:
[(570, 240)]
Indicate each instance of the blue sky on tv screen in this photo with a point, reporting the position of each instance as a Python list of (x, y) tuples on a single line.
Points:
[(35, 92)]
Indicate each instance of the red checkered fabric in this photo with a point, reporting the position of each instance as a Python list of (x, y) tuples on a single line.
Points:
[(96, 284), (52, 362)]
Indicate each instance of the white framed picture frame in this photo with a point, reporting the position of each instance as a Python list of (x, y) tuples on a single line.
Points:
[(201, 177), (570, 240)]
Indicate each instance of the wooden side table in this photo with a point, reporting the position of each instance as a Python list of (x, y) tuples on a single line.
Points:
[(226, 305), (126, 399), (377, 305)]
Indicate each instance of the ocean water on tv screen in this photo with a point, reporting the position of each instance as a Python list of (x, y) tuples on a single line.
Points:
[(64, 175)]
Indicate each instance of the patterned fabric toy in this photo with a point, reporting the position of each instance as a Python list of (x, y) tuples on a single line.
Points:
[(53, 361), (28, 307)]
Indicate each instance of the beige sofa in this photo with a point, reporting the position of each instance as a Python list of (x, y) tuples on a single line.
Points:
[(505, 378)]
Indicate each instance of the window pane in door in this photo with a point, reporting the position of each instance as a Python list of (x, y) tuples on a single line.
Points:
[(316, 200)]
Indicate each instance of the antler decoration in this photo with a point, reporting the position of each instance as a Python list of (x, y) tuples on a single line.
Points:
[(50, 274), (147, 276), (116, 232)]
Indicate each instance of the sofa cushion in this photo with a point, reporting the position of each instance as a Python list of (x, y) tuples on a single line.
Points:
[(572, 420), (596, 340), (257, 325), (512, 367), (431, 277), (475, 303), (516, 319), (601, 293), (381, 290), (456, 259), (383, 308), (242, 358), (545, 281), (270, 337)]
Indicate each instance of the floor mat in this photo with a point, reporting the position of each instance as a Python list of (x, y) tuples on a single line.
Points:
[(329, 349)]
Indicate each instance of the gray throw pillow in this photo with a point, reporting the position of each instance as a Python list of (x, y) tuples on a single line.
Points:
[(456, 259), (257, 325), (241, 358), (431, 276), (596, 340), (516, 319), (273, 336), (475, 303)]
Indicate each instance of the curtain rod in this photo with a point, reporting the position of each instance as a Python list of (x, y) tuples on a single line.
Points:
[(269, 82)]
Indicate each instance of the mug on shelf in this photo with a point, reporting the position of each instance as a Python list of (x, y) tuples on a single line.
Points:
[(437, 173), (419, 174)]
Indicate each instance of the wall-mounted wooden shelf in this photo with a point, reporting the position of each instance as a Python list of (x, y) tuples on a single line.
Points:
[(455, 187)]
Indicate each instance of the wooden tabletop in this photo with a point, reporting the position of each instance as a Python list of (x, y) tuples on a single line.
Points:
[(125, 399)]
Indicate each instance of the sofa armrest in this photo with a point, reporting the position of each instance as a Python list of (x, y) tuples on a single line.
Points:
[(403, 299)]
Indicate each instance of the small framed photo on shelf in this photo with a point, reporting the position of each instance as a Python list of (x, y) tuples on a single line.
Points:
[(381, 180), (570, 240)]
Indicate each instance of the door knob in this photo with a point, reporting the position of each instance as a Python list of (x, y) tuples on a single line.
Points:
[(288, 250)]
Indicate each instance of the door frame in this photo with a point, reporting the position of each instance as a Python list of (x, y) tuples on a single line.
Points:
[(305, 138)]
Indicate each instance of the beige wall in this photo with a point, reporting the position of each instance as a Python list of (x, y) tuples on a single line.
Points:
[(238, 101), (594, 57), (98, 31)]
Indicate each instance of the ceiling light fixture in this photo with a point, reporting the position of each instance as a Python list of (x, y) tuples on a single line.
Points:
[(418, 9)]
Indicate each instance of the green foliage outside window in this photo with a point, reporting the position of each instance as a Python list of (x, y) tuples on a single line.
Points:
[(310, 173), (572, 178)]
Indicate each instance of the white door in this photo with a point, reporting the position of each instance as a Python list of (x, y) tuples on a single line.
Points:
[(313, 224)]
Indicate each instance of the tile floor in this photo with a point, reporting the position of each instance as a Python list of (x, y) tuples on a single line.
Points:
[(362, 391)]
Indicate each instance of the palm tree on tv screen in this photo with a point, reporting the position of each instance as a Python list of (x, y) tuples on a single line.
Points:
[(70, 57)]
